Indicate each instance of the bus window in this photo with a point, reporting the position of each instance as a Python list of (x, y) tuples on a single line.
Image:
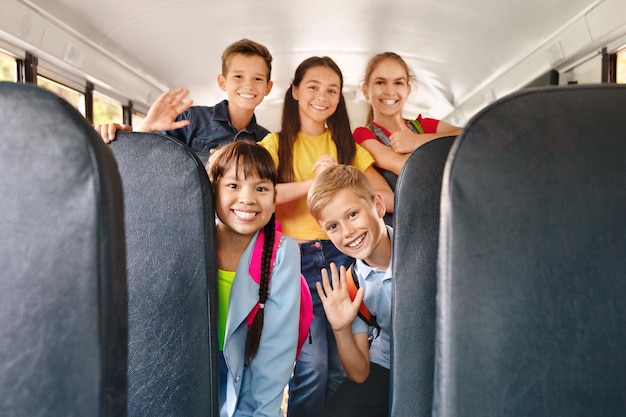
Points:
[(8, 68), (106, 109), (621, 67), (74, 97)]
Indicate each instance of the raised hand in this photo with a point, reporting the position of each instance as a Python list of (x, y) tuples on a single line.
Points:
[(163, 112), (340, 309)]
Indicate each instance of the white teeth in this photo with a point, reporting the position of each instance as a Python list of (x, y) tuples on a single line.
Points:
[(318, 107), (246, 95), (357, 242), (244, 214), (389, 101)]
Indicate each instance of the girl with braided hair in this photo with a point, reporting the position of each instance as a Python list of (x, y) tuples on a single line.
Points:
[(258, 316)]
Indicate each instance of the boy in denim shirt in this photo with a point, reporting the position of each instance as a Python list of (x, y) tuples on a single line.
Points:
[(342, 201), (245, 77)]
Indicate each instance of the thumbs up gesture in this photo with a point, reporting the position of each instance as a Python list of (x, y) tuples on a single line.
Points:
[(403, 139)]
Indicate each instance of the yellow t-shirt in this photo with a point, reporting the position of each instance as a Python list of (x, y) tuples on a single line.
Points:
[(224, 284), (294, 216)]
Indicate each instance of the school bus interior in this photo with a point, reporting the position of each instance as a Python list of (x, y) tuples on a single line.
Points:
[(465, 55), (509, 272)]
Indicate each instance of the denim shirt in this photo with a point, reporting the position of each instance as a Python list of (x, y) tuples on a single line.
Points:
[(210, 127)]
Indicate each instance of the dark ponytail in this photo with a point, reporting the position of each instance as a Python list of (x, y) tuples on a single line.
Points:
[(254, 334)]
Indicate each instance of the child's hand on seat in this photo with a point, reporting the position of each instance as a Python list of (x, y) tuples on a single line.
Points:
[(108, 130)]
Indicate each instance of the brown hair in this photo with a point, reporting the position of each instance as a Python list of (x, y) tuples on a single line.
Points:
[(338, 123), (252, 159), (246, 47), (373, 63), (334, 179)]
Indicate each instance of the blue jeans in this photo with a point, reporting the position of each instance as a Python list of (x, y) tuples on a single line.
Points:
[(318, 370)]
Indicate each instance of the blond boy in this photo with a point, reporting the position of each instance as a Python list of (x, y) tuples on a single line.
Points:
[(343, 203)]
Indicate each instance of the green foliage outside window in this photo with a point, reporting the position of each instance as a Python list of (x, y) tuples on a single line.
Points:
[(106, 110), (75, 98), (8, 68)]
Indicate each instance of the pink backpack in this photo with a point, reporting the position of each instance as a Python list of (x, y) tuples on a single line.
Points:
[(306, 302)]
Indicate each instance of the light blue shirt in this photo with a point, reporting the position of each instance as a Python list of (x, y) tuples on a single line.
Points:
[(377, 298), (257, 388)]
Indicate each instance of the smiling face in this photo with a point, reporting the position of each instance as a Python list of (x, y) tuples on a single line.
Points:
[(387, 88), (243, 205), (354, 225), (318, 95), (246, 82)]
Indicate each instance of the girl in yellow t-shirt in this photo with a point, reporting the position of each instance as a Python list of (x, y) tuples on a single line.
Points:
[(315, 134)]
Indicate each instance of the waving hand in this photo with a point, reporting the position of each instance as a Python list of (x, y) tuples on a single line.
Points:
[(339, 308), (163, 112)]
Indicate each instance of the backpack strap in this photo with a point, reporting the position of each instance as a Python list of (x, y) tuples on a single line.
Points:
[(414, 125), (364, 313), (378, 132), (306, 301)]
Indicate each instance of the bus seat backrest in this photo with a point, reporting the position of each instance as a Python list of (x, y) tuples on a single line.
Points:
[(416, 234), (532, 278), (62, 262), (170, 235)]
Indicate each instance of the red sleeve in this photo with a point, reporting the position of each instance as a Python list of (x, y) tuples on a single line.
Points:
[(429, 125), (361, 134)]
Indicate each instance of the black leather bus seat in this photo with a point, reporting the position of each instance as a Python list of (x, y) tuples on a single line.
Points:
[(416, 236), (63, 321), (170, 238), (532, 272)]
